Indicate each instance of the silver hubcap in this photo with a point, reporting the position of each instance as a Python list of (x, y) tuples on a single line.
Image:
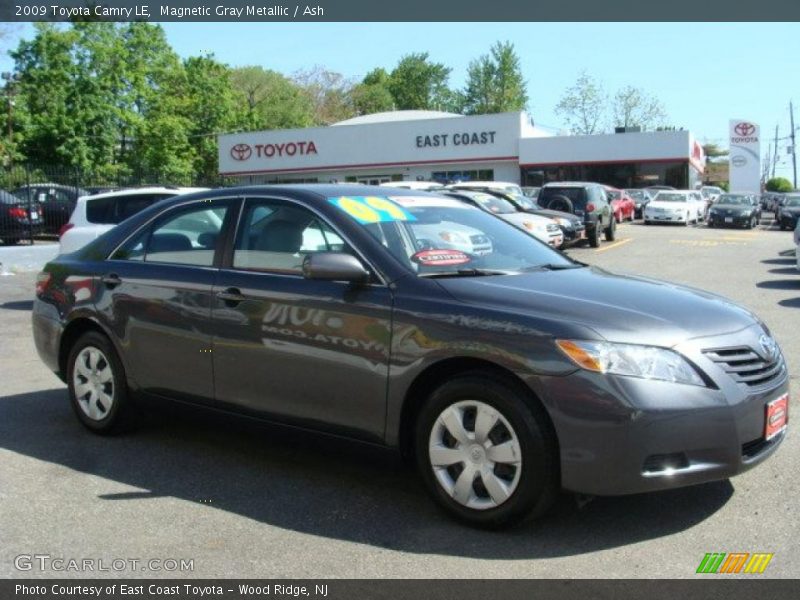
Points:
[(475, 454), (93, 381)]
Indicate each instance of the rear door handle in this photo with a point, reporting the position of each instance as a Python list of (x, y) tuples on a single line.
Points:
[(231, 295), (111, 280)]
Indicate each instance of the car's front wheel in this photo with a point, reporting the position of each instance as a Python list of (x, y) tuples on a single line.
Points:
[(97, 385), (486, 452)]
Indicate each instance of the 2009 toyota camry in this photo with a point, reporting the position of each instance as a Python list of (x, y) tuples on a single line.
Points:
[(504, 369)]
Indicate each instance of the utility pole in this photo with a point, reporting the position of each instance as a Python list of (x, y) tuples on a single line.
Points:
[(775, 153), (794, 152)]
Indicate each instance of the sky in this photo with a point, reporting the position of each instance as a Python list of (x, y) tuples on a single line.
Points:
[(703, 73)]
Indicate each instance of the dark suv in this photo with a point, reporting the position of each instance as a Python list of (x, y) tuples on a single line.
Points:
[(586, 200)]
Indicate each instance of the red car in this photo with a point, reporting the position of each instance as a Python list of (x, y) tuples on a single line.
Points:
[(623, 205)]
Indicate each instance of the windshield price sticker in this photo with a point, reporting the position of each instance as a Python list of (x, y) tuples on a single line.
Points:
[(440, 258), (371, 209)]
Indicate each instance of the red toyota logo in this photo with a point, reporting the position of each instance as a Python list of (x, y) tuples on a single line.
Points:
[(745, 129), (241, 152)]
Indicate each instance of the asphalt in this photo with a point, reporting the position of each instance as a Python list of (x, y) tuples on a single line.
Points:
[(242, 500)]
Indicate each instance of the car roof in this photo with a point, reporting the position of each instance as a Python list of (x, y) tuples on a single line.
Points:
[(553, 184), (138, 191), (490, 184)]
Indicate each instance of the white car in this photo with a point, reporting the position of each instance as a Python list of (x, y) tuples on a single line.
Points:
[(674, 206), (421, 186), (500, 186), (797, 243), (94, 215), (542, 228)]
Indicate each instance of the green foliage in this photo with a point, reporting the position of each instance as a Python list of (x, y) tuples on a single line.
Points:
[(633, 107), (329, 94), (495, 83), (582, 105), (779, 184), (268, 100), (417, 84)]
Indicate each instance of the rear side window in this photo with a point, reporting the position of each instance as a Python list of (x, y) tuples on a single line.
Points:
[(186, 237), (115, 209)]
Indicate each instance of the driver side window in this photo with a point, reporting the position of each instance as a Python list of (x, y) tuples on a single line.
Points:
[(276, 236)]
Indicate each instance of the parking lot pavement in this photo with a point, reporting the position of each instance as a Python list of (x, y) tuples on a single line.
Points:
[(26, 258), (249, 501)]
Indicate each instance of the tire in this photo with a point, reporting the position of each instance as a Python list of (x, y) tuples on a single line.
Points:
[(524, 486), (561, 203), (94, 368), (594, 237), (751, 223), (646, 222), (611, 231), (783, 227)]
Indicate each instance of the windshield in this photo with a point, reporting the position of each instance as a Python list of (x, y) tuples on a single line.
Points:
[(734, 200), (439, 236), (670, 197), (792, 201), (636, 194), (614, 194), (493, 204)]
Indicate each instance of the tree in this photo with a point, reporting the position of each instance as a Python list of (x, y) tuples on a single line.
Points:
[(329, 93), (779, 184), (713, 151), (495, 83), (211, 107), (372, 94), (269, 100), (632, 107), (417, 84), (582, 105)]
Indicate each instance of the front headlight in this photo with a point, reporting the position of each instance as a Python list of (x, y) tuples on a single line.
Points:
[(563, 222), (646, 362), (531, 226)]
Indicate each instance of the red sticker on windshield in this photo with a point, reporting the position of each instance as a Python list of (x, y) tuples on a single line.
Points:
[(440, 258)]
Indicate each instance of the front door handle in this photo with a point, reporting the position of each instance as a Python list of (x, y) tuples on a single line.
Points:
[(111, 280), (231, 296)]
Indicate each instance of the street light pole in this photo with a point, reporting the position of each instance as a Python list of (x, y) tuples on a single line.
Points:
[(794, 152)]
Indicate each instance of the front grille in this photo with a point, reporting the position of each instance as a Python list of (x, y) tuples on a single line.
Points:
[(745, 366)]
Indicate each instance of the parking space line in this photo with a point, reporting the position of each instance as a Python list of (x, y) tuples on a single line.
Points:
[(614, 245)]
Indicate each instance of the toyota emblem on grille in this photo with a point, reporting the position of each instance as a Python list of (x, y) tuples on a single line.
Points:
[(769, 347)]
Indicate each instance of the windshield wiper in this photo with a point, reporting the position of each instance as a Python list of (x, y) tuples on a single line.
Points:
[(465, 273), (557, 266)]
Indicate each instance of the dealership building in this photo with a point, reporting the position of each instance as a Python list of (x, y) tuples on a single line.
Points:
[(445, 147)]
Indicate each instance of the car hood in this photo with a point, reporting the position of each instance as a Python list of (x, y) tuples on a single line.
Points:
[(620, 308), (521, 218), (555, 214)]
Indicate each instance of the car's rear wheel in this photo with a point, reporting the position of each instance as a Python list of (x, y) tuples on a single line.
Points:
[(594, 236), (486, 453), (611, 231), (97, 385)]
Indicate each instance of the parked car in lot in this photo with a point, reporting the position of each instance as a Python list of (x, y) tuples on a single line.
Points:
[(17, 220), (544, 229), (531, 191), (572, 228), (585, 200), (674, 206), (621, 203), (504, 377), (423, 186), (735, 210), (797, 243), (788, 211), (94, 215), (774, 202), (640, 199), (54, 201)]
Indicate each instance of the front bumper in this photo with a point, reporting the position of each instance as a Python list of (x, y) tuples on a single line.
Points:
[(722, 220), (665, 217), (789, 222), (622, 435)]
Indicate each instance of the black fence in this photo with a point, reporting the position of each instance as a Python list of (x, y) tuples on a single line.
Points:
[(36, 201)]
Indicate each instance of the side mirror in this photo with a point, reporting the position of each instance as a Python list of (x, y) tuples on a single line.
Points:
[(334, 266)]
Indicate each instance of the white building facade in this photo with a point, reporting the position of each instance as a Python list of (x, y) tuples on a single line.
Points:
[(424, 145)]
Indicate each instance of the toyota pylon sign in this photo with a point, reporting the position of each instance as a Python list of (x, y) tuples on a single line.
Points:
[(745, 156)]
